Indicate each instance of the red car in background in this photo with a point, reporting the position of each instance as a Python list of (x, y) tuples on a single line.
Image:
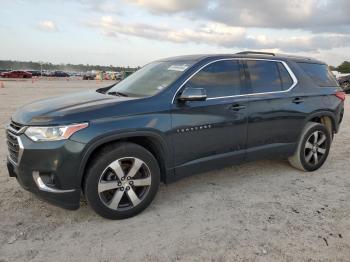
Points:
[(16, 74)]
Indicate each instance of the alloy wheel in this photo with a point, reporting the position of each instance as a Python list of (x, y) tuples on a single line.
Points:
[(315, 148), (124, 183)]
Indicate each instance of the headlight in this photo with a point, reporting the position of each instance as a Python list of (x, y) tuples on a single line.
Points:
[(53, 133)]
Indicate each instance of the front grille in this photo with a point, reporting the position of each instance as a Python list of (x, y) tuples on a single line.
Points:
[(13, 146), (15, 127)]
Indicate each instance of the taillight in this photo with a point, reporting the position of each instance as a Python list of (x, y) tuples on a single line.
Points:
[(341, 95)]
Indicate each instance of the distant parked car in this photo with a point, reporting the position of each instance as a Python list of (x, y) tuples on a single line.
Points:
[(344, 82), (46, 73), (59, 74), (79, 74), (73, 74), (128, 73), (89, 76), (17, 74), (2, 72), (34, 72)]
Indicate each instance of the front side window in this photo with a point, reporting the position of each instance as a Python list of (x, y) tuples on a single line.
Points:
[(151, 79), (221, 78), (268, 76)]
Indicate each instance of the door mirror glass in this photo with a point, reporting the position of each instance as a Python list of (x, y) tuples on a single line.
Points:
[(193, 94)]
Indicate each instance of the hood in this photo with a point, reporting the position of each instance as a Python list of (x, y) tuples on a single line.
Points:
[(73, 108)]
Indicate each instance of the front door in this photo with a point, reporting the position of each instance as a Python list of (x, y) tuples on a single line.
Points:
[(211, 133)]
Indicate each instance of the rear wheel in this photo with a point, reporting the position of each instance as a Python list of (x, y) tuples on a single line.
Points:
[(313, 148), (122, 181)]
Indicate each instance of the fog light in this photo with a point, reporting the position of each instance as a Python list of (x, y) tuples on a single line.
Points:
[(45, 187), (48, 179)]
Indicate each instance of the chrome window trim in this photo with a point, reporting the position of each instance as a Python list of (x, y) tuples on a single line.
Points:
[(289, 70)]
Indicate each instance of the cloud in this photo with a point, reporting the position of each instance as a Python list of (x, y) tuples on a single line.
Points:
[(212, 32), (317, 16), (169, 6), (222, 35), (102, 6), (48, 26), (312, 15), (301, 44)]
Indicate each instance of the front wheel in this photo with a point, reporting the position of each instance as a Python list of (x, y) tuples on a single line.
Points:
[(122, 181), (313, 148)]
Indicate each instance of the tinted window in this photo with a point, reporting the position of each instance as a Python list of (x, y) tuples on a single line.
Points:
[(286, 79), (319, 73), (152, 78), (267, 76), (221, 78)]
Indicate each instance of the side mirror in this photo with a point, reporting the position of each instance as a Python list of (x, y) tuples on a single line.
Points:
[(193, 94)]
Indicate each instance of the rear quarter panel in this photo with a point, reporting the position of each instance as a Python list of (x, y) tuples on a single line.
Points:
[(319, 101)]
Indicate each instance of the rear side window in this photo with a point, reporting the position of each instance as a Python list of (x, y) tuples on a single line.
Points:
[(320, 73), (268, 76), (221, 78), (286, 79)]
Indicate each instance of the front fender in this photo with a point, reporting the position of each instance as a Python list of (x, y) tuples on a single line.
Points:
[(119, 135)]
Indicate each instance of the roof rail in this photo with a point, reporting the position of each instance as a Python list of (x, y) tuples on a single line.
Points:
[(299, 57), (255, 53)]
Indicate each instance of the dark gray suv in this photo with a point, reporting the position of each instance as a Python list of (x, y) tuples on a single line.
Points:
[(173, 118)]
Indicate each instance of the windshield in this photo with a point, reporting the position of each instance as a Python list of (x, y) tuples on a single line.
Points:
[(151, 79)]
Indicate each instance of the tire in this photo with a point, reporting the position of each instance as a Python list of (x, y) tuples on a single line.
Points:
[(107, 187), (304, 157)]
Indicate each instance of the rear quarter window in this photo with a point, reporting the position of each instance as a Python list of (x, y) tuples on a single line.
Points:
[(319, 73), (286, 79)]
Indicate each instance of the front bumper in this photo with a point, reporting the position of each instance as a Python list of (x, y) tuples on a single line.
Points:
[(49, 170)]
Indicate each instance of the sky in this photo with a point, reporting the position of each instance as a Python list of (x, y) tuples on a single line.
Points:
[(135, 32)]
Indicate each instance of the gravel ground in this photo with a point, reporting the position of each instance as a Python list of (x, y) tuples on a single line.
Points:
[(261, 211)]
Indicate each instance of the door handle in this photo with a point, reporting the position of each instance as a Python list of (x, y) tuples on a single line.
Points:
[(298, 100), (237, 107)]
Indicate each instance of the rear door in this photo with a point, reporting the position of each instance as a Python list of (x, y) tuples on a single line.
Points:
[(211, 133), (275, 117)]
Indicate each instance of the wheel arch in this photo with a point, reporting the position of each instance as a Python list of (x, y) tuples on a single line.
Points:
[(152, 141), (326, 118)]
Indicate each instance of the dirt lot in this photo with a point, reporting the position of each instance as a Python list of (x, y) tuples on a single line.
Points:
[(262, 211)]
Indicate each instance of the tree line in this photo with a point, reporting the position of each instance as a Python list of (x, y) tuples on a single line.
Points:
[(342, 68), (19, 65)]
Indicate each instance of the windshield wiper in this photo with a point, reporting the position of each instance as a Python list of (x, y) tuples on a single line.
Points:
[(114, 93)]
